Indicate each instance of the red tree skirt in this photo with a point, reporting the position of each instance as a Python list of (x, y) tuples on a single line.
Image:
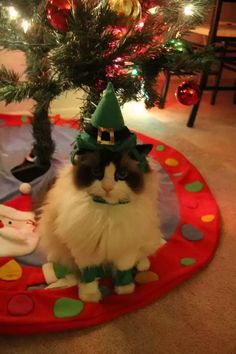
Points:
[(25, 311)]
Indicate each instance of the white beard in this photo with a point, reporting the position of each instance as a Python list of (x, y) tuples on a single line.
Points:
[(17, 242), (78, 232)]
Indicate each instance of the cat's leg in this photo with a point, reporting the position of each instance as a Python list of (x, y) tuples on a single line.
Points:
[(88, 286), (60, 262), (143, 264), (124, 276), (89, 292)]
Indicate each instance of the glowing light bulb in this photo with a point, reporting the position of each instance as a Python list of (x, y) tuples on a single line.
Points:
[(13, 14), (189, 10), (25, 25), (154, 10), (140, 25)]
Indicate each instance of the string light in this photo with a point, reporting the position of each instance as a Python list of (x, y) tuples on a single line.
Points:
[(25, 25), (140, 25), (13, 14), (189, 10), (154, 10)]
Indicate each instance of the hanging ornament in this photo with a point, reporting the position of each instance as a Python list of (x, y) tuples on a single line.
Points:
[(188, 93), (128, 11), (58, 12), (177, 46)]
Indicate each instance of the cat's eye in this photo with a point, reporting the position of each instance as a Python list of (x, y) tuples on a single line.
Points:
[(9, 222), (121, 175), (97, 173)]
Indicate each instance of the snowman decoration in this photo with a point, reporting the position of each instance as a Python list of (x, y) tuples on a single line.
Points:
[(18, 236)]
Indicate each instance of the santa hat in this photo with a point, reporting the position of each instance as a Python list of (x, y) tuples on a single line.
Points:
[(107, 130), (19, 208)]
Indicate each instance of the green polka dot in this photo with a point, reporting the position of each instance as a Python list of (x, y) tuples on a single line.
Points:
[(160, 148), (24, 118), (194, 186), (187, 261), (66, 307)]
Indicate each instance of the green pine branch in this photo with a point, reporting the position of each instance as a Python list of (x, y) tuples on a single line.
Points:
[(8, 76)]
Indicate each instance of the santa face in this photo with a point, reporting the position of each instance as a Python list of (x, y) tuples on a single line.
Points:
[(17, 235)]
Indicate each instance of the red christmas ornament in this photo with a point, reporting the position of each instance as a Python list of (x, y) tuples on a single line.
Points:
[(188, 93), (58, 12)]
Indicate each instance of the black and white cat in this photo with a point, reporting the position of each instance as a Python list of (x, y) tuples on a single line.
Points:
[(102, 210)]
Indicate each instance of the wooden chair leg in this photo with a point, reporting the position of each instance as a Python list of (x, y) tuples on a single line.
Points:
[(195, 108), (218, 75)]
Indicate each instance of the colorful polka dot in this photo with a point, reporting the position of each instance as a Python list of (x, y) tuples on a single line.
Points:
[(208, 218), (146, 277), (191, 233), (188, 261), (178, 174), (194, 187), (11, 271), (20, 305), (171, 162), (24, 119), (191, 204), (66, 307), (160, 148)]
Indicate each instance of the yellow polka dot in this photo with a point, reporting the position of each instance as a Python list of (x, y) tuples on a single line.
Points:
[(11, 271), (171, 162), (146, 277), (208, 218)]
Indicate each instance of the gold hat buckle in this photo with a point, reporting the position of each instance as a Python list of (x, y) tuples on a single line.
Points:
[(111, 140)]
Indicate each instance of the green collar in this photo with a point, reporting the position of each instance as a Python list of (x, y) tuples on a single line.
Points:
[(100, 200)]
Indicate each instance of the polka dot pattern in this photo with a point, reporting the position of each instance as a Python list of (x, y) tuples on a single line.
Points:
[(178, 174), (208, 218), (10, 271), (175, 262), (24, 119), (186, 262), (146, 277), (20, 305), (194, 187), (67, 307), (160, 148), (191, 233), (191, 204), (171, 162)]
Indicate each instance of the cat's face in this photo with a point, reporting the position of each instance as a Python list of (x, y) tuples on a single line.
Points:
[(112, 176)]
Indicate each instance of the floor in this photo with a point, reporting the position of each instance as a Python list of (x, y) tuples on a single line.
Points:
[(199, 317)]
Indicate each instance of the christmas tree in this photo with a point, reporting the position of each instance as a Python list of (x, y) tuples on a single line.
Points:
[(84, 44)]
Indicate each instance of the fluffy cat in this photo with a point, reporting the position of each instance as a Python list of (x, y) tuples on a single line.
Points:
[(102, 210)]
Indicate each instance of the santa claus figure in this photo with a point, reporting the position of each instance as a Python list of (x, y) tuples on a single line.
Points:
[(17, 226)]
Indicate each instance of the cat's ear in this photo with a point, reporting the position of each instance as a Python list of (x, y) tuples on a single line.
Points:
[(144, 149), (139, 153), (76, 153)]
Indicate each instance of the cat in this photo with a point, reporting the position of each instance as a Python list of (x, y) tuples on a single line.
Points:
[(102, 210)]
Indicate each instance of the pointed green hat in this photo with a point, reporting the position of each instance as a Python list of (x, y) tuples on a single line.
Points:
[(107, 129), (108, 113)]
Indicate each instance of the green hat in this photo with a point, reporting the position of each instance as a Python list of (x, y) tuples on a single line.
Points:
[(107, 129)]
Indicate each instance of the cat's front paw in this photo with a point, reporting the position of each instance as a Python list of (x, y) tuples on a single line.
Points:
[(125, 289), (143, 264), (89, 292)]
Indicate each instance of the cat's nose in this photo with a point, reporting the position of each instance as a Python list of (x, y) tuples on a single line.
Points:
[(1, 224), (107, 189)]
